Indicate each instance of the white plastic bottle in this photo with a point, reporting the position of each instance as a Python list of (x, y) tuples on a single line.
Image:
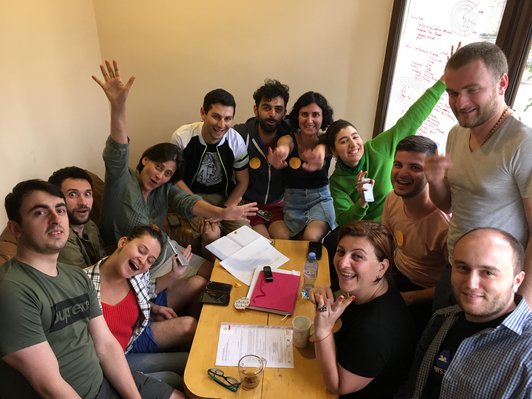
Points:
[(310, 272)]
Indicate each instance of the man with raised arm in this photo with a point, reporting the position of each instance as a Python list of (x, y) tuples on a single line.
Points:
[(485, 180)]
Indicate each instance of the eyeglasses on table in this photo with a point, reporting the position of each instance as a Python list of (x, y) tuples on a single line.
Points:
[(227, 382)]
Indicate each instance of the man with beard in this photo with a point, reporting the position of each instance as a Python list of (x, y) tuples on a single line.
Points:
[(215, 160), (479, 348), (83, 247), (418, 226), (265, 182), (485, 178)]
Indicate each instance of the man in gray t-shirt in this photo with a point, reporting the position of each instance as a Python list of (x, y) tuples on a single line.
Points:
[(485, 179)]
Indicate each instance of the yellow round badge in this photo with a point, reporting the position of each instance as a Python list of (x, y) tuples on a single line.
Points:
[(295, 163), (399, 238), (254, 163)]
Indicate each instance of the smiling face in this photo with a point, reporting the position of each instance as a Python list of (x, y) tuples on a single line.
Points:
[(310, 118), (78, 197), (155, 174), (216, 122), (44, 223), (270, 113), (137, 255), (348, 146), (408, 178), (357, 266), (474, 94), (483, 278)]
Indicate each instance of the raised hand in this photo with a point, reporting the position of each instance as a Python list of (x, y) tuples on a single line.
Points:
[(435, 168), (112, 85), (327, 311)]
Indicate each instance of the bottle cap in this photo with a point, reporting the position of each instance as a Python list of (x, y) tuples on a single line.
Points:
[(311, 256)]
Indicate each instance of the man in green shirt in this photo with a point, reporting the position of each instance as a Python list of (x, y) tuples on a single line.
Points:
[(83, 247)]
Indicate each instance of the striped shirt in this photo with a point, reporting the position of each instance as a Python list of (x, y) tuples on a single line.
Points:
[(494, 363)]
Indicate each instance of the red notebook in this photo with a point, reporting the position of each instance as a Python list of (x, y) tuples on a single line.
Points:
[(278, 296)]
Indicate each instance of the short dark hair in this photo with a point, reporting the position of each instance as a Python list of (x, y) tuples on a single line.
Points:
[(148, 229), (14, 199), (420, 144), (492, 56), (312, 97), (163, 152), (334, 128), (70, 172), (218, 96), (378, 235), (517, 247), (271, 89)]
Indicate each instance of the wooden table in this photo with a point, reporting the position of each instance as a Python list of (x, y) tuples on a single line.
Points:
[(302, 381)]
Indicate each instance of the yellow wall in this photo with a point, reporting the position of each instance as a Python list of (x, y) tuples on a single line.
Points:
[(53, 115)]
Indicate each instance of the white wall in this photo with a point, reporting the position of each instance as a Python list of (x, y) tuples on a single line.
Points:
[(49, 112), (179, 50)]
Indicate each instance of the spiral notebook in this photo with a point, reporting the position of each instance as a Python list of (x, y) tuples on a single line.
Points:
[(278, 296)]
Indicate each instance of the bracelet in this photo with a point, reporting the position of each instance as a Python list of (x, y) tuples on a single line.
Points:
[(327, 336)]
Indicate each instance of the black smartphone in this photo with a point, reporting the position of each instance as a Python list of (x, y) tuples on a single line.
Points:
[(264, 214), (268, 276), (315, 246), (215, 298), (216, 293), (219, 287)]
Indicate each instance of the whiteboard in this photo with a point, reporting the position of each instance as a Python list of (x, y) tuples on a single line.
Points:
[(430, 28)]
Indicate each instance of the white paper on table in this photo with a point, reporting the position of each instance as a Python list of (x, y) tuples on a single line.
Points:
[(273, 343), (243, 263), (227, 245)]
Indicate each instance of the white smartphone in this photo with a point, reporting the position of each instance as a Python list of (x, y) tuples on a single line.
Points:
[(180, 258), (368, 193)]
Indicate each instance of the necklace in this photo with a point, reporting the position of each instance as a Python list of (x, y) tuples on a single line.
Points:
[(496, 126)]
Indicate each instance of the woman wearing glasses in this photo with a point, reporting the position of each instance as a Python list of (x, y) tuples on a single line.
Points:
[(369, 356)]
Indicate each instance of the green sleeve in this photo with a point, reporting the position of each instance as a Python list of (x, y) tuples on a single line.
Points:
[(345, 199), (411, 121)]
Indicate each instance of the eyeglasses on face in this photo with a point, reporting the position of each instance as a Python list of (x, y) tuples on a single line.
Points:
[(227, 382)]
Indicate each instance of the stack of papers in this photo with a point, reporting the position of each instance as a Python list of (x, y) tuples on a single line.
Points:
[(242, 250)]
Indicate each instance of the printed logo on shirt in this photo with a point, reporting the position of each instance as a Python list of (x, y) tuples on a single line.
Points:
[(442, 361), (210, 171), (69, 311)]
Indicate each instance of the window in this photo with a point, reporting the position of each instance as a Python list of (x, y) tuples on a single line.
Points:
[(421, 34)]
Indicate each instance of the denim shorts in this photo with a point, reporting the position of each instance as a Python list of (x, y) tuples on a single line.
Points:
[(302, 206), (145, 343)]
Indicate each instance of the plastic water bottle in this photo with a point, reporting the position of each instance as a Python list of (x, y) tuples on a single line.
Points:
[(310, 272)]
